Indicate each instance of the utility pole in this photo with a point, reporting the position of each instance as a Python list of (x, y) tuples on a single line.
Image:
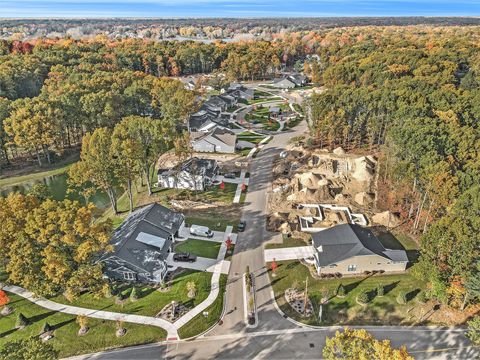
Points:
[(305, 302)]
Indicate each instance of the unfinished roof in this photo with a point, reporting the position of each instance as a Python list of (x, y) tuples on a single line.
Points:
[(345, 241)]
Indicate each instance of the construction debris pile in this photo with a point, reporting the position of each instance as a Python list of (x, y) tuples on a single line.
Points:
[(320, 177)]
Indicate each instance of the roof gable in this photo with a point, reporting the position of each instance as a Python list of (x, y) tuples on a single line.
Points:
[(344, 241)]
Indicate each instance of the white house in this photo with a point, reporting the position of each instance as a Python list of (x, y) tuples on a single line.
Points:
[(194, 174), (218, 140)]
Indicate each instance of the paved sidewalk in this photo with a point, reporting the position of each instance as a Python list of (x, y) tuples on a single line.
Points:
[(260, 146), (98, 314), (291, 253), (238, 192), (215, 286)]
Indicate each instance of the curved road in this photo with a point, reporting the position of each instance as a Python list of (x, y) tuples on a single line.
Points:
[(276, 337)]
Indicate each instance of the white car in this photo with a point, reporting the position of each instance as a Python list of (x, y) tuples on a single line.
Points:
[(201, 231), (283, 154)]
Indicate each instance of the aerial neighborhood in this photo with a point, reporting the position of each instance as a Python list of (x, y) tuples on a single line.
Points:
[(246, 189)]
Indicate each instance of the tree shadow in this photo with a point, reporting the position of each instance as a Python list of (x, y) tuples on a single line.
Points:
[(371, 294), (352, 286), (412, 294), (144, 292), (62, 324), (8, 332), (388, 288), (40, 317), (272, 283)]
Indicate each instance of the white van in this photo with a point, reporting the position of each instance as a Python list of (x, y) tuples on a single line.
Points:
[(201, 231)]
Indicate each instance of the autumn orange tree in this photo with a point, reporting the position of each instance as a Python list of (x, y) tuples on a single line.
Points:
[(4, 299), (51, 247)]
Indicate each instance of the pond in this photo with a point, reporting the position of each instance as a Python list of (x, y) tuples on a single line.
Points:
[(57, 187)]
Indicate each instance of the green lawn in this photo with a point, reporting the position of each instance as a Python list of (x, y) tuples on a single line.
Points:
[(200, 323), (381, 310), (100, 337), (150, 301), (202, 248), (292, 123), (261, 100), (252, 139), (217, 223), (261, 93), (298, 107), (287, 242)]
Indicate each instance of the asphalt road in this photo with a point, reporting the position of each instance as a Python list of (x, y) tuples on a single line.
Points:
[(275, 337), (307, 344)]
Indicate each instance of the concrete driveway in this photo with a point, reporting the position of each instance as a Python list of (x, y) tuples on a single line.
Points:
[(218, 236), (291, 253), (202, 264)]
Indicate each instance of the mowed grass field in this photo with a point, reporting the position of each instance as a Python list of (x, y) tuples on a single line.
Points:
[(202, 248), (150, 301), (346, 311), (100, 337)]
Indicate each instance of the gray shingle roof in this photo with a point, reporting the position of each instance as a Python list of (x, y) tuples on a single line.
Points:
[(344, 241), (155, 220)]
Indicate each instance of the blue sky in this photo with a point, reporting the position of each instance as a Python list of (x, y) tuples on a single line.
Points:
[(235, 8)]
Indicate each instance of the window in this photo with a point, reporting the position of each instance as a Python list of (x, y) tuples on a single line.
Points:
[(129, 276), (352, 268)]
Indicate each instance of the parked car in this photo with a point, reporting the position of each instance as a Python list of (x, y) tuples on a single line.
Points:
[(229, 176), (201, 231), (283, 154), (241, 226), (184, 257)]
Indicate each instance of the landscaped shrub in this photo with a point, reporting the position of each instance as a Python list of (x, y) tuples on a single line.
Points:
[(82, 321), (341, 292), (21, 322), (107, 291), (45, 328), (380, 290), (133, 294), (402, 297), (362, 298)]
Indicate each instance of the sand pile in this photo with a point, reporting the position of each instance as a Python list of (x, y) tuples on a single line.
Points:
[(386, 218), (363, 168), (363, 198)]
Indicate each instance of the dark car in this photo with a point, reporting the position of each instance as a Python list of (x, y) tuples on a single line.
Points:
[(229, 176), (241, 226), (185, 257)]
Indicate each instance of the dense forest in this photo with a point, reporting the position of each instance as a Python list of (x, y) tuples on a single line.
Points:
[(414, 97), (53, 92)]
